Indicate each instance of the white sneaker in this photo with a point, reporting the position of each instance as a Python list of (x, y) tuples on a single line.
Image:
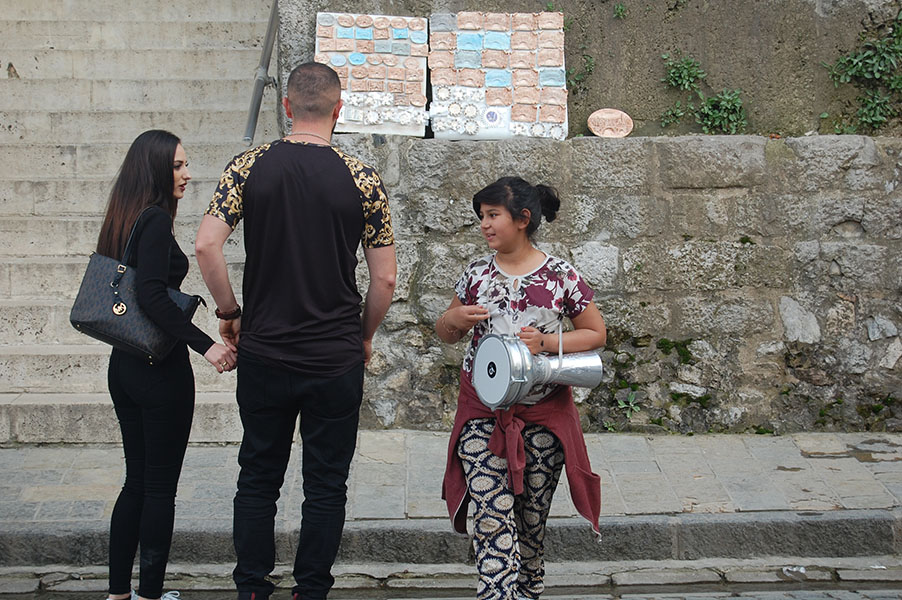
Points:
[(173, 595)]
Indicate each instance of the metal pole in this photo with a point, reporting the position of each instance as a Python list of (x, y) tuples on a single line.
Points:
[(262, 76)]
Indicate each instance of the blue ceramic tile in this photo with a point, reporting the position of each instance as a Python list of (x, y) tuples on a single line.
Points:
[(356, 58), (382, 45), (363, 33), (469, 41), (338, 60), (346, 33), (497, 78), (400, 34), (552, 78), (419, 37), (443, 22), (497, 40), (402, 48), (467, 59)]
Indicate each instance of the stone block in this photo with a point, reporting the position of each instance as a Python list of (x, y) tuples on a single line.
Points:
[(725, 313), (711, 162), (830, 162), (860, 265), (600, 163), (703, 266), (597, 263)]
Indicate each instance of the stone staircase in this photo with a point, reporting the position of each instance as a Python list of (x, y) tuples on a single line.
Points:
[(80, 85)]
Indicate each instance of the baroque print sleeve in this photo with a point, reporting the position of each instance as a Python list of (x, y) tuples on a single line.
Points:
[(227, 204), (377, 229)]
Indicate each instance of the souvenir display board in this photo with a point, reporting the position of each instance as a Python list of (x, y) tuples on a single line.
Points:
[(497, 75), (381, 62)]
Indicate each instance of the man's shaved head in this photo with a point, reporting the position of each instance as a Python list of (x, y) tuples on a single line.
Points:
[(313, 91)]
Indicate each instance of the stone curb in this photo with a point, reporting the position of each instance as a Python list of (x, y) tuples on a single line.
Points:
[(845, 533), (441, 579)]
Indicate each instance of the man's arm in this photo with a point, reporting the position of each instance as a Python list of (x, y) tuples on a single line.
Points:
[(383, 268), (211, 237)]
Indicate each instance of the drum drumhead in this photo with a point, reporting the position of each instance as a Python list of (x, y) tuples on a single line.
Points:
[(492, 371)]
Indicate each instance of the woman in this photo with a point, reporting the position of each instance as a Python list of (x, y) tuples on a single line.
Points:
[(508, 462), (154, 402)]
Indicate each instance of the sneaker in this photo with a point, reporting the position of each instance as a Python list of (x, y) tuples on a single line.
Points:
[(134, 596), (173, 595)]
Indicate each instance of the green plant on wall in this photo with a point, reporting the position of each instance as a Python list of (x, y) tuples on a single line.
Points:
[(875, 70), (720, 113)]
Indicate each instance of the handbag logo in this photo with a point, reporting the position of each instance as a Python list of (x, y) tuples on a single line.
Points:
[(119, 308)]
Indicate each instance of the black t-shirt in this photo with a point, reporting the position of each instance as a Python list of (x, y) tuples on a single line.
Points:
[(305, 208)]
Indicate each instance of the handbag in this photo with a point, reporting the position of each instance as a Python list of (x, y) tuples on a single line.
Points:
[(106, 307)]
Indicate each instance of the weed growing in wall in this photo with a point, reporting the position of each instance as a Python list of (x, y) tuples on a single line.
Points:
[(875, 70), (720, 113)]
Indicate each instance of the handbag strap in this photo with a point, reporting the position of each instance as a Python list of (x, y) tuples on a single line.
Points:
[(128, 243), (123, 263)]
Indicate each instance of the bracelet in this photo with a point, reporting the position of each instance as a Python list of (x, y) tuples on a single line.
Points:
[(229, 316), (451, 330)]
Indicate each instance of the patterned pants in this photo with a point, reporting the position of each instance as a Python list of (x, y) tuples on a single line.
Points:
[(509, 533)]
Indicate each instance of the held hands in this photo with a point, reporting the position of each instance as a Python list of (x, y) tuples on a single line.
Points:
[(534, 339), (221, 357)]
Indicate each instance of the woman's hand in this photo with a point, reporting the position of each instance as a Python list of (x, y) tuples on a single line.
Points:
[(534, 339), (221, 357)]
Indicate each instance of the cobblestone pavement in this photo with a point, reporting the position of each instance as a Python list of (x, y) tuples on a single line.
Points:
[(681, 495), (397, 475)]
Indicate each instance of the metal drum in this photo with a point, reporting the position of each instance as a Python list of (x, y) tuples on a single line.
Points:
[(504, 370)]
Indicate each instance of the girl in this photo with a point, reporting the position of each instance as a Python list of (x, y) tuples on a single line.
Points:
[(508, 462), (154, 402)]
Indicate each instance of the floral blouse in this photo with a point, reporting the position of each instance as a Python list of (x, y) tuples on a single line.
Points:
[(539, 299)]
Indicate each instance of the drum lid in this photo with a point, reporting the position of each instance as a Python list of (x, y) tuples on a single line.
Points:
[(492, 371)]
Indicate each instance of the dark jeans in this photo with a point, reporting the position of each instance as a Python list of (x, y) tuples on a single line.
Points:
[(270, 400), (155, 406)]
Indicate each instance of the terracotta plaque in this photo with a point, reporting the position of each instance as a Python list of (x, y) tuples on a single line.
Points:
[(610, 122)]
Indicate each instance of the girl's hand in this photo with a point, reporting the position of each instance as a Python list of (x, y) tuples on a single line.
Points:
[(221, 357), (464, 317), (534, 339)]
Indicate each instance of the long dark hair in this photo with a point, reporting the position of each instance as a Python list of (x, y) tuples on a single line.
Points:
[(145, 179), (515, 194)]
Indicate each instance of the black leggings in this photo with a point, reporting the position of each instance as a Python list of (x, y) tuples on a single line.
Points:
[(155, 405)]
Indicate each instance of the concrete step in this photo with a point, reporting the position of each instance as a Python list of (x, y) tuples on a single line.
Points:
[(139, 94), (97, 35), (77, 236), (136, 10), (163, 64), (60, 277), (80, 369), (88, 127), (102, 161), (54, 418), (85, 197)]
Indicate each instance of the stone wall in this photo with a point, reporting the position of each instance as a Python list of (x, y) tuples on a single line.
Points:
[(773, 51), (747, 283)]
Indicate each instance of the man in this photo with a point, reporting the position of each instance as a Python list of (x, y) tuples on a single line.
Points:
[(302, 343)]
